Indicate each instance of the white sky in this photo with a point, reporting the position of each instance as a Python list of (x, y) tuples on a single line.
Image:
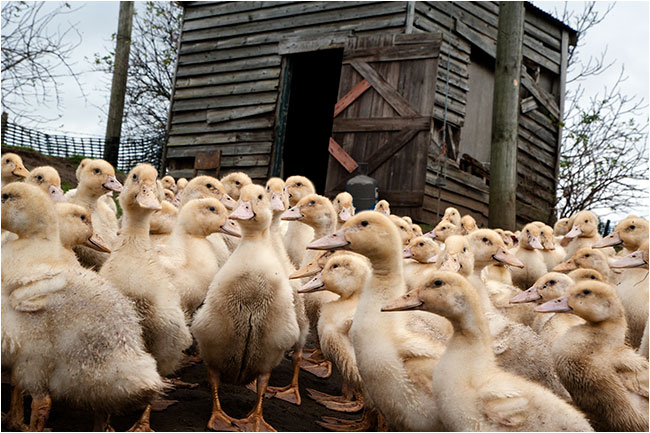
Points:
[(624, 32)]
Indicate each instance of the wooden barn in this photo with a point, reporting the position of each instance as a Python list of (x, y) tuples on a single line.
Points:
[(315, 88)]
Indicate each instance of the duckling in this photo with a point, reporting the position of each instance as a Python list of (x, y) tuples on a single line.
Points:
[(248, 319), (383, 206), (162, 223), (106, 199), (473, 392), (586, 274), (48, 179), (75, 228), (562, 226), (194, 264), (169, 183), (605, 377), (97, 177), (298, 235), (552, 254), (12, 168), (506, 237), (629, 233), (135, 271), (421, 256), (442, 231), (343, 207), (632, 290), (395, 363), (181, 184), (584, 233), (452, 215), (405, 231), (417, 230), (498, 282), (169, 195), (549, 326), (590, 259), (529, 253), (234, 182), (50, 304), (467, 225)]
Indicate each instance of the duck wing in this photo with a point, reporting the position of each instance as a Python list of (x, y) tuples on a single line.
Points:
[(506, 408), (31, 295)]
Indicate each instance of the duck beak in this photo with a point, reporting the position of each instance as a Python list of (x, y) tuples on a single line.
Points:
[(385, 212), (56, 193), (535, 243), (228, 202), (432, 234), (112, 184), (407, 253), (292, 214), (308, 270), (147, 197), (345, 214), (410, 301), (608, 241), (574, 232), (330, 242), (314, 285), (277, 204), (231, 228), (567, 266), (506, 257), (548, 245), (20, 171), (451, 263), (558, 305), (634, 260), (529, 295), (97, 243), (244, 211)]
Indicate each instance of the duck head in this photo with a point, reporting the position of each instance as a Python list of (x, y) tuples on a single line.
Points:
[(12, 168), (28, 211), (586, 274), (344, 273), (163, 219), (297, 188), (253, 212), (169, 195), (585, 258), (530, 237), (204, 216), (488, 248), (48, 179), (98, 177), (383, 206), (562, 226), (443, 230), (467, 225), (550, 286), (234, 182), (314, 267), (585, 224), (405, 231), (278, 194), (206, 187), (75, 228), (169, 183), (630, 233), (452, 215), (142, 193), (314, 210), (637, 259), (457, 256), (423, 249), (343, 206)]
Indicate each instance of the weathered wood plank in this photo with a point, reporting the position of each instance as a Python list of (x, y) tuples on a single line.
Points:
[(237, 65), (227, 54), (305, 43), (402, 198), (198, 10), (228, 78), (233, 125), (224, 101), (228, 89), (539, 132), (216, 116), (231, 149), (528, 104), (211, 139), (194, 116), (391, 54), (245, 160), (532, 138), (351, 96), (342, 156), (536, 152), (380, 124), (544, 120)]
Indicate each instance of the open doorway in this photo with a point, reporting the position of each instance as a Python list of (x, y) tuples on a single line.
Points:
[(312, 94)]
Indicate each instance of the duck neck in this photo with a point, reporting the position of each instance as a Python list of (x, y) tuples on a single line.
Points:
[(87, 197), (324, 226), (136, 225), (498, 272), (255, 234), (611, 330), (471, 333)]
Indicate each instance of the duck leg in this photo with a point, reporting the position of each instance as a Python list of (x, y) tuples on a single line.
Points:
[(255, 420), (15, 418), (142, 424), (348, 402), (370, 419), (321, 369), (219, 421), (102, 423), (291, 392), (41, 406)]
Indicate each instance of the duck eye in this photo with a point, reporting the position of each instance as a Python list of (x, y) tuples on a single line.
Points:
[(437, 283), (39, 177), (208, 185), (484, 239), (236, 182), (593, 277), (311, 203), (586, 221), (5, 197), (83, 217), (421, 244), (364, 223), (586, 292), (134, 176), (465, 249), (299, 184), (96, 171), (444, 228), (551, 282), (267, 188), (335, 266), (211, 208), (632, 227), (259, 197), (587, 255)]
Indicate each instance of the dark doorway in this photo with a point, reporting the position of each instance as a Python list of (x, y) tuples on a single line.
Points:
[(313, 90)]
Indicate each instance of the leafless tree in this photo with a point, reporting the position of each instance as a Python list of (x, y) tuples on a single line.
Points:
[(152, 60), (604, 149), (36, 56)]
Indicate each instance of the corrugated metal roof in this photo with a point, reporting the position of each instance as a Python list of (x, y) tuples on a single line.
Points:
[(573, 35)]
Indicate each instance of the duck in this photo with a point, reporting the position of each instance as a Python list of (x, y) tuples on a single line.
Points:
[(12, 168), (529, 253), (168, 195), (562, 226), (588, 258), (442, 231), (106, 199), (395, 363), (298, 235), (584, 233), (607, 380), (248, 319), (383, 206), (553, 254), (234, 182), (417, 230), (505, 237), (550, 286), (467, 225), (77, 338), (192, 263), (420, 256), (344, 207), (629, 233), (452, 215), (75, 228), (157, 302), (96, 178), (405, 231), (632, 290), (473, 392), (586, 274), (48, 179), (169, 183), (162, 223)]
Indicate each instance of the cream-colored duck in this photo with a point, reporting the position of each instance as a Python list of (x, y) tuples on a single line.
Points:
[(467, 225), (234, 182), (473, 392), (395, 363), (12, 168), (169, 195), (517, 347), (169, 183), (552, 253), (551, 286), (48, 179), (562, 226), (583, 233), (96, 178), (133, 268), (529, 253), (632, 290), (106, 199), (383, 206), (162, 223), (442, 231), (75, 228), (67, 334), (586, 274), (417, 230), (344, 208), (630, 233), (452, 215), (605, 377), (298, 235), (420, 256), (405, 231), (192, 263), (588, 258), (248, 319), (505, 237)]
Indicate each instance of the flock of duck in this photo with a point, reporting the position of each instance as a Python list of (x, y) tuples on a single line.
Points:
[(458, 329)]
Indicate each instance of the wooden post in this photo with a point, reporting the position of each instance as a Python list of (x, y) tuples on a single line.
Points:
[(505, 114), (118, 86)]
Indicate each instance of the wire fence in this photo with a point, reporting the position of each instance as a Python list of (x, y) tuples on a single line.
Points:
[(132, 151)]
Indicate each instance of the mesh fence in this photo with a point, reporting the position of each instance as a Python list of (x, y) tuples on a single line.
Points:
[(132, 151)]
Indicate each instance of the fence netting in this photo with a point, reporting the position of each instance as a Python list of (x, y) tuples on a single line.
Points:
[(132, 151)]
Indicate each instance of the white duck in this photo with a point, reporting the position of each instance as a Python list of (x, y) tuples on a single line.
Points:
[(298, 235), (12, 168), (48, 179), (234, 182), (344, 208), (529, 252)]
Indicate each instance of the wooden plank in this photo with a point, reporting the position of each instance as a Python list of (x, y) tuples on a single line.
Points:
[(387, 91), (252, 172), (228, 89), (306, 43), (539, 132), (546, 100), (381, 124), (227, 54), (190, 117), (562, 93), (342, 156), (224, 101), (402, 198), (530, 137), (245, 160), (528, 104), (535, 152), (410, 16), (351, 96), (426, 23), (217, 116), (229, 78), (544, 120), (391, 54), (233, 125), (197, 10), (229, 149), (236, 65), (219, 138)]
